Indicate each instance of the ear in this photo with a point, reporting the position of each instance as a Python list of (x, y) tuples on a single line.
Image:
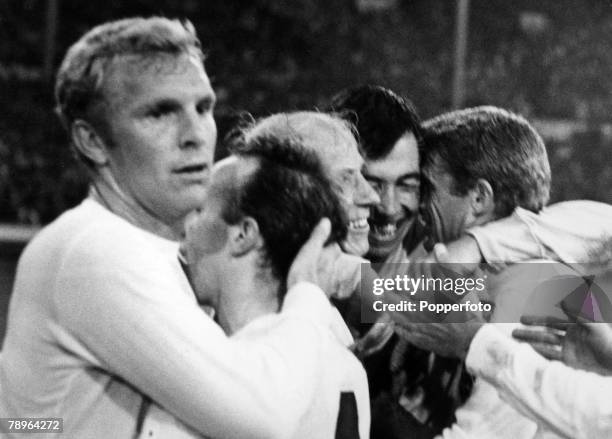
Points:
[(482, 200), (244, 237), (88, 142)]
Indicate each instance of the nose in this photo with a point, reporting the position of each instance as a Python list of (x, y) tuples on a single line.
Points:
[(389, 202), (198, 131), (366, 195)]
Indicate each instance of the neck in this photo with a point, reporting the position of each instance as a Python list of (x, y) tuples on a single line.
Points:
[(246, 298), (106, 191)]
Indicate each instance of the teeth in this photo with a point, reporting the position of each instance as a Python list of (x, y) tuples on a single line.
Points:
[(359, 224), (386, 231)]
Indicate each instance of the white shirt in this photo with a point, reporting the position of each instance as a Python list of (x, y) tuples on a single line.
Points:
[(572, 403), (101, 314), (312, 392), (571, 231)]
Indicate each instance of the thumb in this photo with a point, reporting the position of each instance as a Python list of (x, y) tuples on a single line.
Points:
[(306, 259), (441, 253), (317, 239)]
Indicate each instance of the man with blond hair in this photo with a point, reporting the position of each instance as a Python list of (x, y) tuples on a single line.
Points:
[(102, 318)]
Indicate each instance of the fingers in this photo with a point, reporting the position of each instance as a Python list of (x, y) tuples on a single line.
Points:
[(304, 266), (375, 339), (441, 253), (551, 352), (537, 336), (547, 321), (545, 342), (317, 238)]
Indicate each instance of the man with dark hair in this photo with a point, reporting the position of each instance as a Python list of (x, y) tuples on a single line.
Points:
[(489, 151), (389, 133), (478, 165), (102, 318), (382, 117), (487, 155), (261, 205)]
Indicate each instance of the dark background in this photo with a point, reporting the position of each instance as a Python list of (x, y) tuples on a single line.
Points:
[(547, 59)]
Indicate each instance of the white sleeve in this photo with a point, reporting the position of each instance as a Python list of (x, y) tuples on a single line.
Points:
[(570, 402), (121, 310), (485, 415), (570, 232)]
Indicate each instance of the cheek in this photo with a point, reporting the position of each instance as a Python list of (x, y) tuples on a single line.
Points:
[(211, 130), (213, 238), (410, 201), (143, 155), (345, 193)]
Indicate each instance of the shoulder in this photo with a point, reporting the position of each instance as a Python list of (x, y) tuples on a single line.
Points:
[(90, 246), (95, 238)]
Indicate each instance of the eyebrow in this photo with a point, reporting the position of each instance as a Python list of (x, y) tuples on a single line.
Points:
[(410, 176)]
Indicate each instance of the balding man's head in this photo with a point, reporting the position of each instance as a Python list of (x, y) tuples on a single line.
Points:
[(328, 136), (332, 140)]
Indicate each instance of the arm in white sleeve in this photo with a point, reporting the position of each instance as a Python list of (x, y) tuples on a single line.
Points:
[(123, 312), (570, 232), (570, 402)]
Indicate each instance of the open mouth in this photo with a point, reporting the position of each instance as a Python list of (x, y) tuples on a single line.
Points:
[(385, 231), (360, 224), (191, 169)]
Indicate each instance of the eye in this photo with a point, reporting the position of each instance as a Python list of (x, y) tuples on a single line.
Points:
[(205, 106), (159, 111), (409, 186)]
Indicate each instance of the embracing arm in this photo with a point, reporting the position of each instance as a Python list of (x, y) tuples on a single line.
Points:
[(570, 231), (125, 313), (573, 403)]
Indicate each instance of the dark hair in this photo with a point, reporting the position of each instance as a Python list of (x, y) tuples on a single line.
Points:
[(495, 145), (81, 74), (380, 116), (287, 195)]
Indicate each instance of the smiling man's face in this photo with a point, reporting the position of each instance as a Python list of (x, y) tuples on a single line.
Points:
[(344, 163), (447, 213), (396, 179)]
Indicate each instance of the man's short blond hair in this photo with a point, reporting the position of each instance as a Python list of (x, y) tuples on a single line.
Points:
[(80, 78)]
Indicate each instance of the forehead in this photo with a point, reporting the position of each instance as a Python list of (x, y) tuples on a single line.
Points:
[(337, 149), (228, 173), (157, 76), (403, 159)]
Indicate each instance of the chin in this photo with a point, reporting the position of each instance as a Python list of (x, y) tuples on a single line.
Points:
[(380, 253), (357, 247)]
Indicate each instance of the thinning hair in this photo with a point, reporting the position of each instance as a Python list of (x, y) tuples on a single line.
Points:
[(495, 145), (288, 194), (319, 132)]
